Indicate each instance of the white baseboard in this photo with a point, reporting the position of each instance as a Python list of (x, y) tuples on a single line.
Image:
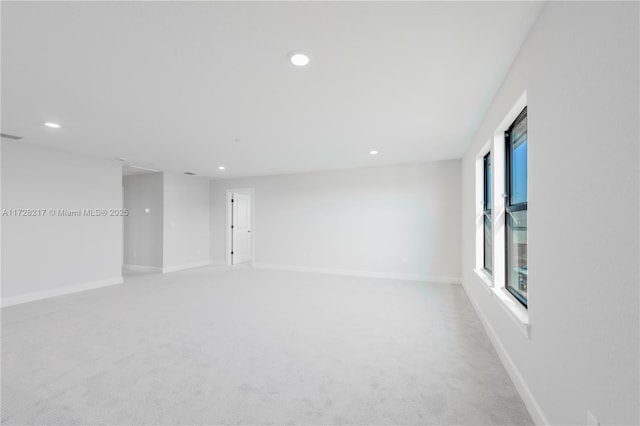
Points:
[(142, 268), (358, 273), (525, 393), (39, 295), (218, 263), (185, 266)]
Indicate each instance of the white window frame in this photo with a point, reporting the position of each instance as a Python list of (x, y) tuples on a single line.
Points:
[(495, 283)]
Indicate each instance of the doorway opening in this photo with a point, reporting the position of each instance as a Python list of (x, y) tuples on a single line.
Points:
[(142, 227), (240, 226)]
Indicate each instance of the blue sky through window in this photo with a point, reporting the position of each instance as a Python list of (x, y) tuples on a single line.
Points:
[(488, 183), (519, 174)]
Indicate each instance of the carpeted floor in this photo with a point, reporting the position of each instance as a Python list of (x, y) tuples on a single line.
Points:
[(246, 346)]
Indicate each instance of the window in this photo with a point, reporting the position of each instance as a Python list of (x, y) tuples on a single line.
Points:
[(516, 208), (486, 207), (500, 221)]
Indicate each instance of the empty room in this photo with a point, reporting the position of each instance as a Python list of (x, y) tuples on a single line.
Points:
[(317, 213)]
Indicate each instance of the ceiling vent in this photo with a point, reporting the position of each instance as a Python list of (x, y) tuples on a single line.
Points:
[(12, 137)]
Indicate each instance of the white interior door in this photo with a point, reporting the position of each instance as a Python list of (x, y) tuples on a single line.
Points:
[(240, 228)]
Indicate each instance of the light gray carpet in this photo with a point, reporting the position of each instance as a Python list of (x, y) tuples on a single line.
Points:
[(215, 346)]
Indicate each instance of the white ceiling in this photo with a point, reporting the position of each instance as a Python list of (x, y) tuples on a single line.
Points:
[(189, 86)]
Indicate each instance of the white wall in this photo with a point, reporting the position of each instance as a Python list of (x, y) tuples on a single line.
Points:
[(1, 149), (186, 222), (48, 255), (580, 70), (143, 226), (401, 220)]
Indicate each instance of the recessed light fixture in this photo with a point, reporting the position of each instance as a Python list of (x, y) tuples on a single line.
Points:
[(373, 152), (299, 58), (52, 125), (221, 167)]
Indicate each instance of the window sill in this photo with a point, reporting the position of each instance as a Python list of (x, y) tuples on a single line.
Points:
[(518, 313), (485, 277)]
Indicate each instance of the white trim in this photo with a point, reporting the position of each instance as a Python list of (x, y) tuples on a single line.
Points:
[(359, 273), (525, 393), (175, 268), (218, 263), (46, 294), (485, 278), (142, 268), (518, 313), (513, 308)]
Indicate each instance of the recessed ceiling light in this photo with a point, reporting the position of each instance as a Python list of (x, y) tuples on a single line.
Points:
[(221, 167), (52, 125), (373, 152), (298, 58)]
